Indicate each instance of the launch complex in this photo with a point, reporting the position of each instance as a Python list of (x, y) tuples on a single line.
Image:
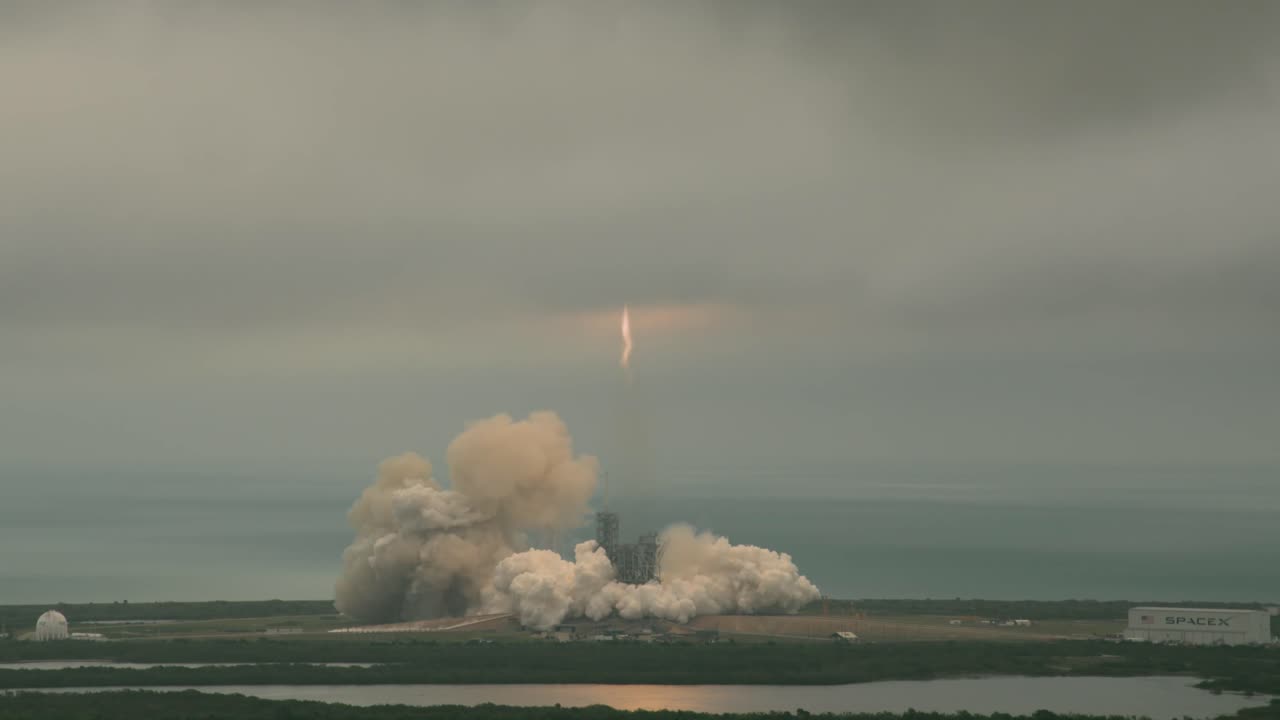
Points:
[(636, 563)]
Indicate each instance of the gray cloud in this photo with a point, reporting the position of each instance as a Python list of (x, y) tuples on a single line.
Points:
[(337, 187), (1044, 69)]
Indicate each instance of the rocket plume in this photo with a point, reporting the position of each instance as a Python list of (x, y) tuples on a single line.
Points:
[(626, 338), (424, 551), (700, 574)]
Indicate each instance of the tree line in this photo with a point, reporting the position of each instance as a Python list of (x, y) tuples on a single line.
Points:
[(1255, 669), (132, 704)]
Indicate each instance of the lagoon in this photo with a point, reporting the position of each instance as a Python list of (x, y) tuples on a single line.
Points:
[(1154, 697)]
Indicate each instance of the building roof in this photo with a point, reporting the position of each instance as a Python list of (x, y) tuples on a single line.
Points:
[(51, 616)]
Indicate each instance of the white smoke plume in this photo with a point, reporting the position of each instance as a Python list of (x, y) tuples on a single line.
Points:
[(700, 574), (422, 551)]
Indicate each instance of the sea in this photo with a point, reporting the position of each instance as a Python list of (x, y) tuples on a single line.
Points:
[(894, 530)]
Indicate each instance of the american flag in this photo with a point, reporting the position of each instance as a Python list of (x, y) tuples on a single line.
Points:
[(1147, 619)]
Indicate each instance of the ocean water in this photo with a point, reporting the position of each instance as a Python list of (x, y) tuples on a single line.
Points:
[(1037, 532)]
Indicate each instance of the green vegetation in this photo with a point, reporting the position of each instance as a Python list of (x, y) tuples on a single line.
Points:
[(23, 617), (1254, 669), (228, 626), (259, 614), (1040, 610), (128, 705), (1008, 609)]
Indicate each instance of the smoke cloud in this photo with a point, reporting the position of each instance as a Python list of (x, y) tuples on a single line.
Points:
[(700, 574), (422, 551)]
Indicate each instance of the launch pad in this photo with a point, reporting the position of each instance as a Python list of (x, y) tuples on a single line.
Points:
[(635, 563)]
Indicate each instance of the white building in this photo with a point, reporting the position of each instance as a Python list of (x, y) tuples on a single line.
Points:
[(51, 626), (1198, 626)]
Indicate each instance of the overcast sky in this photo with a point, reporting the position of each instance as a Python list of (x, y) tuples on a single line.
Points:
[(904, 231)]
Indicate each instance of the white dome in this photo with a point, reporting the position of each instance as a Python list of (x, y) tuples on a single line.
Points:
[(52, 626)]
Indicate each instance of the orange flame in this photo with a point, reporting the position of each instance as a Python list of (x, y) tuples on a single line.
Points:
[(626, 338)]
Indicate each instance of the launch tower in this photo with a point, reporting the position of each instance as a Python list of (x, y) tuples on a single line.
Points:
[(635, 563)]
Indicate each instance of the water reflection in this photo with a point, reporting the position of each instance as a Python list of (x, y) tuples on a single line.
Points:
[(1155, 697)]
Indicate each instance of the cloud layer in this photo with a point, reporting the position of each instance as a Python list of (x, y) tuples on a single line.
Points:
[(218, 195)]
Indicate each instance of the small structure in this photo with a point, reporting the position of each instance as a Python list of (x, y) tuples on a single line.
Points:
[(52, 625), (564, 633), (1022, 623), (844, 636)]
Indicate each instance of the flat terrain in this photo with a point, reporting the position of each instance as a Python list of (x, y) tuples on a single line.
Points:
[(910, 628), (874, 621), (223, 627), (24, 616), (470, 623), (373, 660)]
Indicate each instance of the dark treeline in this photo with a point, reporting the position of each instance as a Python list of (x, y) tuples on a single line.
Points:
[(23, 617), (130, 705), (1255, 669), (1010, 609)]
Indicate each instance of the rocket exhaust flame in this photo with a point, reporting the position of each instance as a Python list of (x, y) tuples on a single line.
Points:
[(626, 338)]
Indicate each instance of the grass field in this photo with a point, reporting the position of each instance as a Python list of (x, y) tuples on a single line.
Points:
[(363, 661), (224, 627), (908, 628), (878, 621), (24, 616)]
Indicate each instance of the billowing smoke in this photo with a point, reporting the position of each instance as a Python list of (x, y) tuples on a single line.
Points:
[(700, 574), (422, 551)]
